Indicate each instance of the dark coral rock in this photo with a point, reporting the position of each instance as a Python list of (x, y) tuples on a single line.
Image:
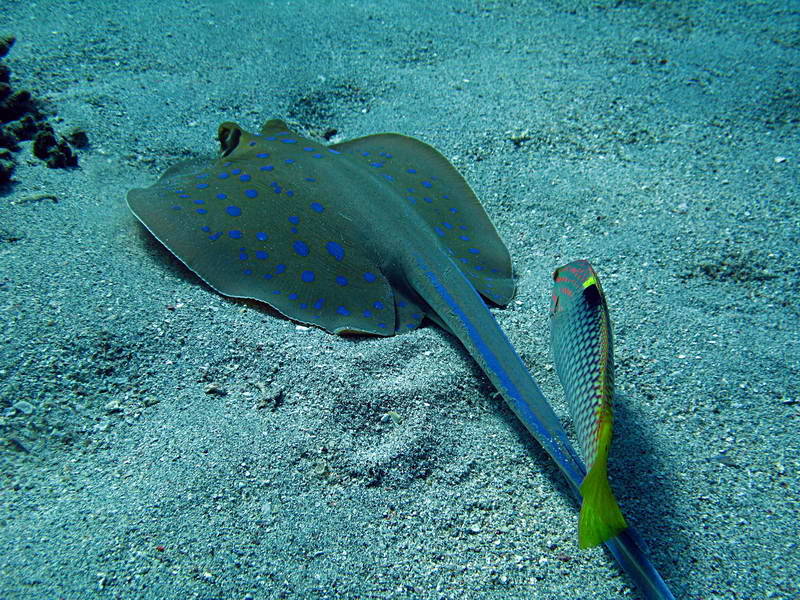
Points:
[(21, 119), (25, 128), (7, 165), (57, 154), (6, 42), (17, 104), (44, 140), (78, 138), (62, 156), (8, 139)]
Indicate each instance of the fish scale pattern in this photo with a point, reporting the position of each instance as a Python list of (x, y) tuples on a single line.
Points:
[(581, 352)]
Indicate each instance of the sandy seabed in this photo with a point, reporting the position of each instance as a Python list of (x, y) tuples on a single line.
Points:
[(162, 441)]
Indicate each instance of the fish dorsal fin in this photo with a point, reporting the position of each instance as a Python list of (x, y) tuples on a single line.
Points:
[(429, 184), (259, 222)]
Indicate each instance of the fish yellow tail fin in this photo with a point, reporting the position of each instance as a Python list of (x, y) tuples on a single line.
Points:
[(600, 517)]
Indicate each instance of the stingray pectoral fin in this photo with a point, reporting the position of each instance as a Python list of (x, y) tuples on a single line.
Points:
[(600, 518), (265, 221), (432, 188)]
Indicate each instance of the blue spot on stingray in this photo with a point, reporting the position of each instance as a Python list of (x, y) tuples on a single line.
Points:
[(276, 188), (243, 256), (261, 255), (201, 186), (382, 325), (316, 155), (201, 211), (454, 210), (293, 296), (214, 237), (235, 234), (369, 277), (367, 313), (289, 161), (438, 231), (262, 155), (205, 228), (478, 268), (251, 193), (388, 177), (268, 276), (261, 236), (375, 164), (234, 211), (335, 250), (332, 151), (289, 193), (410, 190), (319, 303), (462, 227), (289, 141), (303, 305), (402, 303), (202, 176), (311, 179), (473, 251), (464, 238), (378, 305), (199, 201), (280, 269), (245, 177), (341, 280), (248, 271), (236, 171), (448, 225), (411, 325), (411, 199), (251, 144), (427, 184), (343, 311), (266, 168), (317, 207), (308, 149), (293, 229), (294, 220), (223, 175), (184, 196), (271, 138), (411, 170), (301, 248), (428, 199), (276, 292), (416, 316), (222, 196)]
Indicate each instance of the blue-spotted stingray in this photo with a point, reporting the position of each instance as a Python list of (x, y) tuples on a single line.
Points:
[(367, 236)]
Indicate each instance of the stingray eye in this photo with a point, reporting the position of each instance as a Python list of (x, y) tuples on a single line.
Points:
[(229, 135)]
